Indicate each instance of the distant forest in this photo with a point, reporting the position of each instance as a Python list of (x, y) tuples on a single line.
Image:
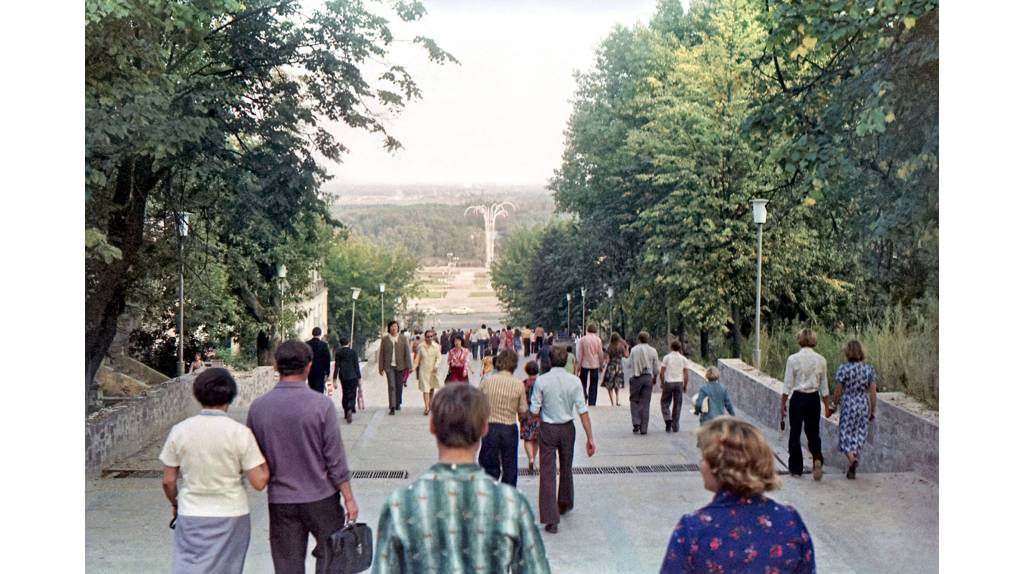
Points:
[(432, 230)]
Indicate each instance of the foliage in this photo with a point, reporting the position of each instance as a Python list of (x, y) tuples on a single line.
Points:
[(359, 262), (901, 344), (213, 108), (431, 231), (826, 109)]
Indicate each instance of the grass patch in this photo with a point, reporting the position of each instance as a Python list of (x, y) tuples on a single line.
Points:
[(434, 294), (902, 345), (481, 294)]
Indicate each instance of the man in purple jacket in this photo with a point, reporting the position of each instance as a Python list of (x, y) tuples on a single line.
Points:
[(297, 430)]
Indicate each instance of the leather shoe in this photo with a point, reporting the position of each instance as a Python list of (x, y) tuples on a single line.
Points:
[(563, 508), (668, 427), (817, 470), (348, 417), (391, 412), (636, 429), (552, 528)]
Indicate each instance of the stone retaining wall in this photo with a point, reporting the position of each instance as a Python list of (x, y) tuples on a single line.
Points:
[(898, 440), (118, 431)]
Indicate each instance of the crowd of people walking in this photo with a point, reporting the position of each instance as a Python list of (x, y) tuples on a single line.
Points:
[(291, 444)]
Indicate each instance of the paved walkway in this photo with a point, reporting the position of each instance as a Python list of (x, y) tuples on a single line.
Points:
[(621, 523)]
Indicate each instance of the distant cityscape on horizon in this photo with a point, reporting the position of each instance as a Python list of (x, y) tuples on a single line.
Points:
[(377, 193)]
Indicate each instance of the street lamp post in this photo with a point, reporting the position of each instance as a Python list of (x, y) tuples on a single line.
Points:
[(282, 272), (568, 313), (182, 220), (352, 329), (611, 303), (583, 294), (760, 216), (382, 308)]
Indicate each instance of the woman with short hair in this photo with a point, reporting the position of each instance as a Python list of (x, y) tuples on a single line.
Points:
[(210, 453), (458, 361), (741, 530), (856, 396)]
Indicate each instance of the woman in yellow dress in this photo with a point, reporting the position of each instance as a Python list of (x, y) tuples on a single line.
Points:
[(428, 357)]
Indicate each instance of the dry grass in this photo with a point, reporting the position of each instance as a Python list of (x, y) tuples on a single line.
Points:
[(902, 345)]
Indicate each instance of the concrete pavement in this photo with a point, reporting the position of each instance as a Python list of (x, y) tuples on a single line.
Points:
[(621, 523)]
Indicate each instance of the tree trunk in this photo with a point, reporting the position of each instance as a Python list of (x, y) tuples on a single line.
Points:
[(705, 346), (264, 350), (110, 283), (735, 332)]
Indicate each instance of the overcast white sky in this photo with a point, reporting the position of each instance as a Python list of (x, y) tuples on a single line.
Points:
[(499, 116)]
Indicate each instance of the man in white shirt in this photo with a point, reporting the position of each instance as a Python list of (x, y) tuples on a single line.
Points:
[(641, 384), (483, 337), (675, 377), (806, 381)]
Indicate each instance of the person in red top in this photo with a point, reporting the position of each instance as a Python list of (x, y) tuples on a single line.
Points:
[(591, 357), (458, 362)]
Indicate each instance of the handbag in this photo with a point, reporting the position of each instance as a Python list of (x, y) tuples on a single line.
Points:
[(347, 551)]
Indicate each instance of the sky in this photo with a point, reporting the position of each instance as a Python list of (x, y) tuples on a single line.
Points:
[(499, 117)]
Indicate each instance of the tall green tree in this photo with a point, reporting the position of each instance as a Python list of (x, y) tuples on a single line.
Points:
[(360, 262), (215, 108)]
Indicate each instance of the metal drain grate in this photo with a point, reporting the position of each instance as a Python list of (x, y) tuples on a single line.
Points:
[(380, 474), (132, 473)]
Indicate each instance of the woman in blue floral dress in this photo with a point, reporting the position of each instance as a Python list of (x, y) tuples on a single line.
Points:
[(855, 393), (741, 530)]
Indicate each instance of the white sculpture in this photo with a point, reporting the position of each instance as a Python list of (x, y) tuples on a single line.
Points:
[(490, 213)]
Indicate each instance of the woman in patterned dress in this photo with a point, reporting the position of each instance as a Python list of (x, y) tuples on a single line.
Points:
[(855, 394), (529, 425), (741, 530), (614, 378), (458, 362)]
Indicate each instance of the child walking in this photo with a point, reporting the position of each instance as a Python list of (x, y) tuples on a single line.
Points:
[(713, 400)]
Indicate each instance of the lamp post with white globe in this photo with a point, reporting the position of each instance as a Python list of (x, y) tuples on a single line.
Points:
[(760, 216)]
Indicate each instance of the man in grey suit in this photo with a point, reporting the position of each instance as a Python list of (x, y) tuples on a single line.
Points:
[(393, 360), (641, 384)]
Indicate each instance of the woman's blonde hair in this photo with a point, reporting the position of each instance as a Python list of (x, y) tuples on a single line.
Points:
[(738, 455)]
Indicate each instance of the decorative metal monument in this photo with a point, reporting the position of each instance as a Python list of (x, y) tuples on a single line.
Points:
[(491, 214)]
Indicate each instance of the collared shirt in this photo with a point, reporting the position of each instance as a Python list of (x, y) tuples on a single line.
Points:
[(806, 372), (591, 352), (297, 428), (456, 518), (211, 452), (740, 534), (394, 348), (645, 360), (675, 365), (507, 397), (558, 396)]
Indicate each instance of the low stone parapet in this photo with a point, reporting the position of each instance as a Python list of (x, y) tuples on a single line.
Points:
[(120, 430), (899, 440)]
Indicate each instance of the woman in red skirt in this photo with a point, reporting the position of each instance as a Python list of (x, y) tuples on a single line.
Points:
[(458, 362)]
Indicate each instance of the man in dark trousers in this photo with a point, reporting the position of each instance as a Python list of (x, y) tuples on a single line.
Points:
[(558, 399), (346, 369), (321, 361), (297, 431)]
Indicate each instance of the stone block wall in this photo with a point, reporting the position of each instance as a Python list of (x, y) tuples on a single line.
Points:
[(120, 430), (898, 440)]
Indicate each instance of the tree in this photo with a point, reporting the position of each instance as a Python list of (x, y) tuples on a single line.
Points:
[(359, 262), (510, 273), (214, 107)]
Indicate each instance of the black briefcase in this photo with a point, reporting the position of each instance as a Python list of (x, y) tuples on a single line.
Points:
[(348, 550)]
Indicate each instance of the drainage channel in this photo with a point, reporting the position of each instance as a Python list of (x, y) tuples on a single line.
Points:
[(404, 474), (356, 474)]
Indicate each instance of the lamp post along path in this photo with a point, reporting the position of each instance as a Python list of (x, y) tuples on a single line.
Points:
[(182, 218), (760, 216), (382, 308), (352, 329)]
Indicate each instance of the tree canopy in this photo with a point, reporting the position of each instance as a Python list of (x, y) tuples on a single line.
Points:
[(217, 109), (826, 109)]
